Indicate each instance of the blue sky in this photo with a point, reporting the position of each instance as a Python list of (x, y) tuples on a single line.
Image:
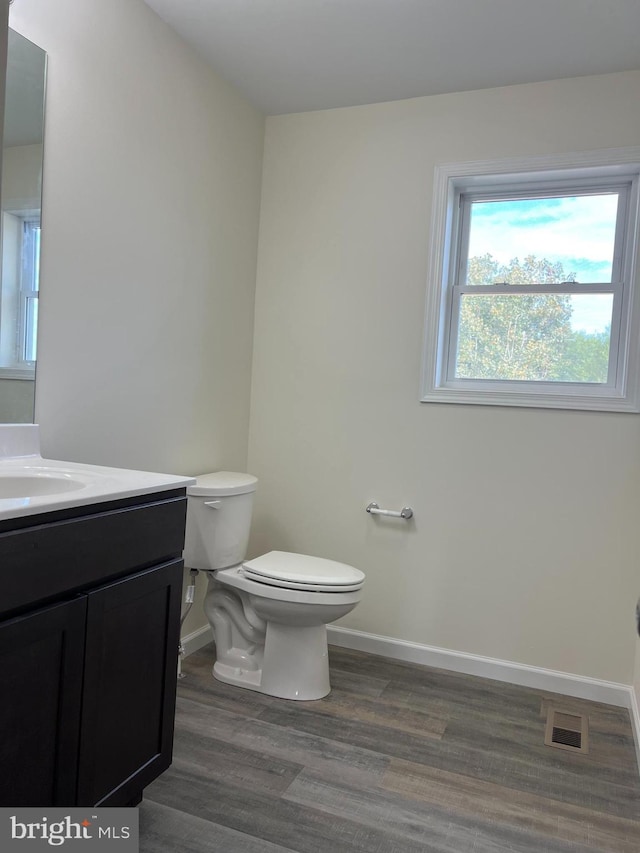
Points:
[(577, 231)]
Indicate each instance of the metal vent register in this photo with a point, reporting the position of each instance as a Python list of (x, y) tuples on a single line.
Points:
[(567, 731)]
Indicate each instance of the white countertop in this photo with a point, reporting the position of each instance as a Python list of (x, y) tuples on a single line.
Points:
[(30, 484)]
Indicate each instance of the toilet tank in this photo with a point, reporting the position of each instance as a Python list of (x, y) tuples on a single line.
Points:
[(218, 520)]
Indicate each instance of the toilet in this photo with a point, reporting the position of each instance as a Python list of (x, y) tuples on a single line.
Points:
[(269, 614)]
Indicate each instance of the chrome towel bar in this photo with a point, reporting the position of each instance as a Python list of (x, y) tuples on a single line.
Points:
[(406, 512)]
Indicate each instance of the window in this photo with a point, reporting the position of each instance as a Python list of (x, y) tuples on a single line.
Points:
[(29, 287), (19, 294), (531, 283)]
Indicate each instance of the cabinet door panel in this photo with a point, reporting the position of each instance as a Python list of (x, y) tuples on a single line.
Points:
[(41, 661), (129, 688)]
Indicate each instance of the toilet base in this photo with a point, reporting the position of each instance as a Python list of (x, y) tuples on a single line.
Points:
[(295, 664)]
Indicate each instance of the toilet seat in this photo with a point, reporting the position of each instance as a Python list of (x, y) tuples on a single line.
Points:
[(277, 583), (286, 570), (236, 578)]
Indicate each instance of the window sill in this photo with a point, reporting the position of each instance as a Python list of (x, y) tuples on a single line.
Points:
[(604, 402), (23, 373)]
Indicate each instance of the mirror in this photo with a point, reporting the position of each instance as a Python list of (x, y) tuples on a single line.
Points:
[(21, 200)]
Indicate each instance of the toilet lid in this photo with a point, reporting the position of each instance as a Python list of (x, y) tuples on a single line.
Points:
[(299, 571), (222, 484)]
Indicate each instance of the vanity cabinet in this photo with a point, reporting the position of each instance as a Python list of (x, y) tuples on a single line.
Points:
[(89, 631)]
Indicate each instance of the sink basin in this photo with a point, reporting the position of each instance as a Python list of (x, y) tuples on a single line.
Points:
[(34, 484), (31, 484)]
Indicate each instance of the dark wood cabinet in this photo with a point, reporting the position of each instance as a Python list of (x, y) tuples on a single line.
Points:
[(88, 657), (41, 668)]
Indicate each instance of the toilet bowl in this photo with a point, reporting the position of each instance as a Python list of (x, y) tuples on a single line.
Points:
[(269, 614)]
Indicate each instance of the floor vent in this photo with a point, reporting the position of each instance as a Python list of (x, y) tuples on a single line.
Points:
[(567, 731)]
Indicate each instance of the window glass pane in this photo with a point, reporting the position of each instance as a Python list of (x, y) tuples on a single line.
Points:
[(36, 258), (542, 240), (31, 328), (541, 337)]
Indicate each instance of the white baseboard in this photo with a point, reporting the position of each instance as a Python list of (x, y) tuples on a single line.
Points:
[(548, 680), (196, 640)]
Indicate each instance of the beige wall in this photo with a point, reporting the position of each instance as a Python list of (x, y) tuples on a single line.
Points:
[(16, 401), (21, 177), (150, 218), (524, 544), (525, 540)]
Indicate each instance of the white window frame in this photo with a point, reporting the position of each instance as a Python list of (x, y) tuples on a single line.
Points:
[(559, 174)]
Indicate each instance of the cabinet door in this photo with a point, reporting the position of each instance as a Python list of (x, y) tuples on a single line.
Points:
[(129, 691), (41, 661)]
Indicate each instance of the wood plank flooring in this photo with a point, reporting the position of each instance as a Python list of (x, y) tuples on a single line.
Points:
[(398, 758)]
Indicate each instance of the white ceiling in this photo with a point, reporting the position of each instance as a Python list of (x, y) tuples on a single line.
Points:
[(297, 55)]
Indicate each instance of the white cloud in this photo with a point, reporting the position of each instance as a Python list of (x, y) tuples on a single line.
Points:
[(565, 229)]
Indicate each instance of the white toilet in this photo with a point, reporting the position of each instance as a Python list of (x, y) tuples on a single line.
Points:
[(268, 615)]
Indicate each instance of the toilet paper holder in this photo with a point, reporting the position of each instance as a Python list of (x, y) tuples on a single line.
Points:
[(406, 512)]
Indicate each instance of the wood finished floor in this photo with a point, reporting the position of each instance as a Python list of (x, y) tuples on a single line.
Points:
[(398, 758)]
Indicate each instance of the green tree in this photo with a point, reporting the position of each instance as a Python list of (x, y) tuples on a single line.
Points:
[(485, 269), (585, 357), (513, 336)]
